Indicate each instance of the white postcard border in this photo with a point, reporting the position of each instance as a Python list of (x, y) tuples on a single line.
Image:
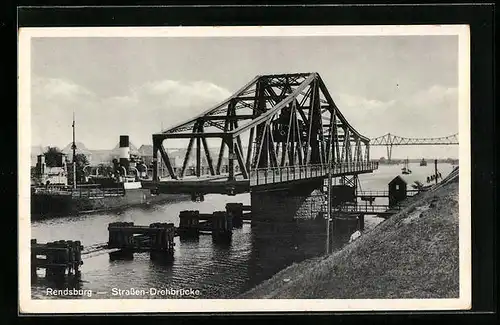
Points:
[(28, 305)]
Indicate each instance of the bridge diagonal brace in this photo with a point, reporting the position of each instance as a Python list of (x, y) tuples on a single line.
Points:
[(186, 157), (239, 151), (222, 146), (300, 150), (272, 150), (239, 155), (248, 160), (166, 160), (209, 157)]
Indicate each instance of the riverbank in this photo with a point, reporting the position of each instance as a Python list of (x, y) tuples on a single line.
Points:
[(414, 254)]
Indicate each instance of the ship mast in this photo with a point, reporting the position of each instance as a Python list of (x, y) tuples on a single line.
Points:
[(73, 146)]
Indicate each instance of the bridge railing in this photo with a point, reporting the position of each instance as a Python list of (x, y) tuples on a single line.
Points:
[(379, 208), (409, 192), (263, 176)]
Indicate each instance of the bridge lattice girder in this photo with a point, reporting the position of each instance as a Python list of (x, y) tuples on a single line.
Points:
[(389, 140), (395, 140), (273, 121)]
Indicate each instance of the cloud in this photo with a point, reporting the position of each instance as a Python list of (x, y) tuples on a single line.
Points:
[(357, 102), (429, 112), (139, 113), (58, 89), (144, 109)]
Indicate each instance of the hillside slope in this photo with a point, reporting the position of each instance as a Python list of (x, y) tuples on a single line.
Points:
[(414, 254)]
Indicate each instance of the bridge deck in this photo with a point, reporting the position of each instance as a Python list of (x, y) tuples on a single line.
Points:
[(259, 177)]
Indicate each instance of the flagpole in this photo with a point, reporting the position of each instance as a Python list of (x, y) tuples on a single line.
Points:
[(73, 146)]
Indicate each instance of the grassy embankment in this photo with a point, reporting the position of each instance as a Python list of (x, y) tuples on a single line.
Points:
[(414, 254)]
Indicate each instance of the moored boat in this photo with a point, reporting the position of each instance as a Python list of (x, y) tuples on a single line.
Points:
[(51, 195), (406, 170)]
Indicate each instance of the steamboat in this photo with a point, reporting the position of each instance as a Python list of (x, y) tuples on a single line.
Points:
[(52, 196)]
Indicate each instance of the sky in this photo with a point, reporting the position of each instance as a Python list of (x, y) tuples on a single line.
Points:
[(403, 85)]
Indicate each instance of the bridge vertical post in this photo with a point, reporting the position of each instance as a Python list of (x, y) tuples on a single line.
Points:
[(389, 152), (155, 159), (198, 156)]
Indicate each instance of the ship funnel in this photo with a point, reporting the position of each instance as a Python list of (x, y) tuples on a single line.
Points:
[(124, 152)]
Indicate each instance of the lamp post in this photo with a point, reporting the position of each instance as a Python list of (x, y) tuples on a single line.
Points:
[(329, 193), (436, 170), (329, 207)]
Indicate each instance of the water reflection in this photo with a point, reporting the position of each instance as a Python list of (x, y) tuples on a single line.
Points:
[(278, 245), (49, 285)]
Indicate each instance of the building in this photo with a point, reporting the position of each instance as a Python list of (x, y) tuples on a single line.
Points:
[(146, 152), (53, 175)]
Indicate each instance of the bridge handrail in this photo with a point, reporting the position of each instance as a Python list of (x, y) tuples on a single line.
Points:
[(366, 208), (334, 165), (288, 173)]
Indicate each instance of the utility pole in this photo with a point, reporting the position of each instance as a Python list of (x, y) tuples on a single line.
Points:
[(73, 146)]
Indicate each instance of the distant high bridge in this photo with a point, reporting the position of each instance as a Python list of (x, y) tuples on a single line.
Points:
[(389, 140), (278, 132)]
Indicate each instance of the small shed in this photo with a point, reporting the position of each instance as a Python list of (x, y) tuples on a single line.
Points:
[(397, 190)]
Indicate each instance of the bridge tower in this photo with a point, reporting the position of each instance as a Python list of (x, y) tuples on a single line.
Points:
[(276, 137)]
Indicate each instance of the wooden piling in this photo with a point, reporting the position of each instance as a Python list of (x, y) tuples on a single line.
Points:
[(129, 238), (61, 257), (189, 223), (33, 259), (162, 237), (119, 238), (222, 226), (236, 212)]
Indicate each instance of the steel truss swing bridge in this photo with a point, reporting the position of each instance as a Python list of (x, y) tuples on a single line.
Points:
[(389, 140), (277, 129)]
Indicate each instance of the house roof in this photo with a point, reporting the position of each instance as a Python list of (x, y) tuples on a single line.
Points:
[(80, 148), (132, 148), (37, 150), (146, 150), (399, 179)]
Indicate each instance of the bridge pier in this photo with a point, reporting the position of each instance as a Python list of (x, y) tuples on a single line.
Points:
[(298, 201)]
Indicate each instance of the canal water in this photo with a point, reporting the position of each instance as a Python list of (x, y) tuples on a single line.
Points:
[(212, 270)]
